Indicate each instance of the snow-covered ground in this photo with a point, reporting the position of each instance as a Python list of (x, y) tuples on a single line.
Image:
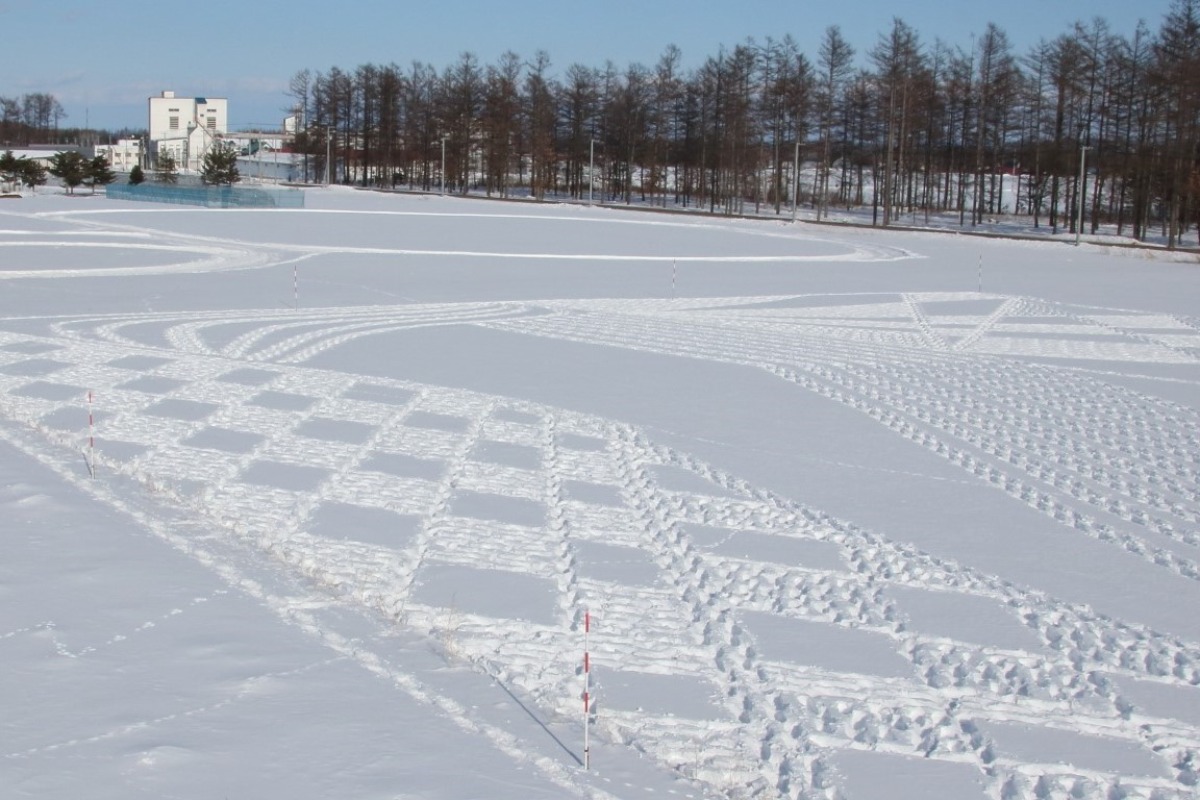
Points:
[(855, 514)]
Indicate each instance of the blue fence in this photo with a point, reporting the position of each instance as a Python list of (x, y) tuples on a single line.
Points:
[(209, 196)]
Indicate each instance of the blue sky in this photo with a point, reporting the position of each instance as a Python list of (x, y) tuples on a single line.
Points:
[(102, 60)]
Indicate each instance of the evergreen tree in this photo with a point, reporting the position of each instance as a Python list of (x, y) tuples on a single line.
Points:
[(71, 168), (166, 171), (33, 174), (220, 166), (136, 176), (8, 163), (98, 172), (10, 168)]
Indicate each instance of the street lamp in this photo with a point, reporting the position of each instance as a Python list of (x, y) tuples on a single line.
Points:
[(1081, 192), (795, 178), (328, 150), (443, 166)]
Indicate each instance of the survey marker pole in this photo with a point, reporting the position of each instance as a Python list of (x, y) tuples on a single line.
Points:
[(587, 685), (91, 456)]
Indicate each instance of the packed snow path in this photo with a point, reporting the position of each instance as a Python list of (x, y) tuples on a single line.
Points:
[(747, 638)]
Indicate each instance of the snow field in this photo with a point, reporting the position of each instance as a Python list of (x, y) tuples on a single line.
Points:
[(747, 641)]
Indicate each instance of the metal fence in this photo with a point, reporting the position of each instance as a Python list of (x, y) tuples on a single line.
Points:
[(209, 196)]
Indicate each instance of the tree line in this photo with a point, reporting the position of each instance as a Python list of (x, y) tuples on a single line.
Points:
[(36, 118), (1093, 125), (71, 167), (33, 117)]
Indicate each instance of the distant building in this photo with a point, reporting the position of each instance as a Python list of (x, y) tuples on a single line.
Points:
[(123, 155), (269, 166), (40, 153), (251, 142), (186, 127), (58, 148)]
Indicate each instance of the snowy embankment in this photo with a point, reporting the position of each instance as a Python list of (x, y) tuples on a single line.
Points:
[(855, 514)]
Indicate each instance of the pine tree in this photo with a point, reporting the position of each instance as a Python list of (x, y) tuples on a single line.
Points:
[(98, 172), (166, 170), (220, 166), (33, 173), (10, 168), (69, 167), (136, 175)]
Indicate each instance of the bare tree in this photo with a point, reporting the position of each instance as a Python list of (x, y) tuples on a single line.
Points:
[(580, 110), (922, 130), (1177, 74), (897, 59), (501, 116), (541, 119), (834, 68), (300, 91), (995, 90)]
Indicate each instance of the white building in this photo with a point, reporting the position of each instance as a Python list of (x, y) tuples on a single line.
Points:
[(123, 155), (269, 166), (187, 127)]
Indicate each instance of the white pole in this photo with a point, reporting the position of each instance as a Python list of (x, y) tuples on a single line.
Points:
[(795, 179), (981, 273), (587, 684), (327, 156), (91, 439), (443, 165), (591, 168), (295, 286), (674, 270)]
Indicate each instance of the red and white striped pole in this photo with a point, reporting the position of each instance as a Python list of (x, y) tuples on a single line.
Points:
[(91, 438), (587, 685)]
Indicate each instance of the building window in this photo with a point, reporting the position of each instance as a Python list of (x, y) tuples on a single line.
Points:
[(173, 123), (212, 123)]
